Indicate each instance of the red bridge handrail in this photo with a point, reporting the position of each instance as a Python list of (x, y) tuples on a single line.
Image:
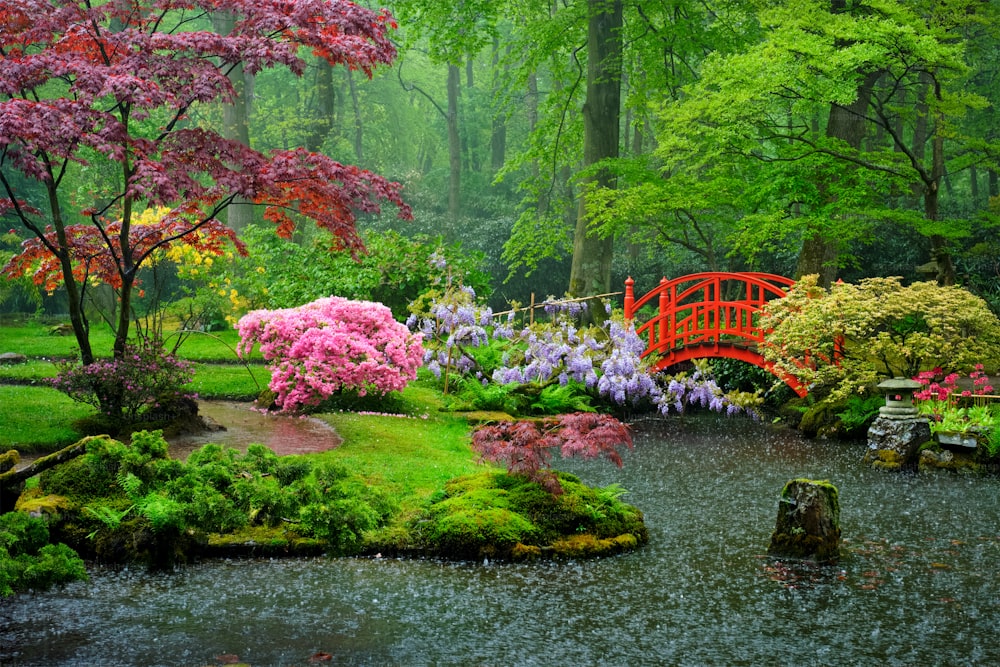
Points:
[(710, 314)]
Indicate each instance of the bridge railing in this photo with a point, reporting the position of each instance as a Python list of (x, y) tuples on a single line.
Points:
[(704, 309)]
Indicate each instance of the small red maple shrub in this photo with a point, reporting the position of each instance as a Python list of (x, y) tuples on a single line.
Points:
[(525, 447)]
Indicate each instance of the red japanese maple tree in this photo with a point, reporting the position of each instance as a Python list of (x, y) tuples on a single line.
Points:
[(110, 85), (526, 446)]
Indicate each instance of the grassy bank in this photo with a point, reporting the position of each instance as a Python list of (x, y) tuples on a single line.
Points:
[(404, 480), (38, 419), (34, 418)]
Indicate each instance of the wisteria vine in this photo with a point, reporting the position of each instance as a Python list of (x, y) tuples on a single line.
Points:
[(603, 360)]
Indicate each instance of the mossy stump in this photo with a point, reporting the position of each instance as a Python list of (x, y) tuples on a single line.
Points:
[(808, 524)]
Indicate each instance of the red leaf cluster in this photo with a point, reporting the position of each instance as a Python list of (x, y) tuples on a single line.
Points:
[(96, 250), (78, 80), (525, 447)]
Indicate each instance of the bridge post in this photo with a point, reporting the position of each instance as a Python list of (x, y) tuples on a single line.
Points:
[(664, 305), (629, 298)]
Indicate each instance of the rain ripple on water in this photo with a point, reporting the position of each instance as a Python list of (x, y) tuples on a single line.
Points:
[(918, 585)]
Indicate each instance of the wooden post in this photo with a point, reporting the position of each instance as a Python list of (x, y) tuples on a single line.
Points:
[(629, 298)]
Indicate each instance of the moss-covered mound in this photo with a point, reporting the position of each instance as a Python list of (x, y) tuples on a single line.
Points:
[(499, 516), (131, 503)]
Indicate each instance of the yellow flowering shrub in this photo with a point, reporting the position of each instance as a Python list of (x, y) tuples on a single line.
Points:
[(849, 337)]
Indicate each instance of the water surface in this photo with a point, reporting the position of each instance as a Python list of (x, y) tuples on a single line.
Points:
[(918, 586), (243, 425)]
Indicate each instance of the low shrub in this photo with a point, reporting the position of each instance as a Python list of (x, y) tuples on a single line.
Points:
[(122, 389), (167, 504), (29, 561)]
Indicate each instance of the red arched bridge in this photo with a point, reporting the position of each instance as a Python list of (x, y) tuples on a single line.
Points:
[(708, 315)]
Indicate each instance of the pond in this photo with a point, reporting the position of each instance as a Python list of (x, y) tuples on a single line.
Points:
[(918, 585), (285, 434)]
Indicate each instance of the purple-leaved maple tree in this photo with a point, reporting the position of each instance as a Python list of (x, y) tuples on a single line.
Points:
[(111, 86), (525, 446)]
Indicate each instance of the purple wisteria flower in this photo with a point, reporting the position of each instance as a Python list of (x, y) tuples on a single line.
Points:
[(604, 360)]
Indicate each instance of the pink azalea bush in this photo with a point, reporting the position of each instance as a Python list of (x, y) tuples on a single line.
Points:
[(331, 345)]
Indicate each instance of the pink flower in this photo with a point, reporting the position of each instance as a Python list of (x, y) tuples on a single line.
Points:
[(330, 345)]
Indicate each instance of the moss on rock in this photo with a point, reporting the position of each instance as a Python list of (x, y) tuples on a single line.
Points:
[(261, 541), (884, 459), (35, 503), (591, 546), (808, 523)]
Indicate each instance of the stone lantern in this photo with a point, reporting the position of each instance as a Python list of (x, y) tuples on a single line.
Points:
[(899, 398), (896, 435)]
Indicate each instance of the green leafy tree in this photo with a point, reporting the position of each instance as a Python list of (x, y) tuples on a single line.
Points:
[(841, 115), (627, 194)]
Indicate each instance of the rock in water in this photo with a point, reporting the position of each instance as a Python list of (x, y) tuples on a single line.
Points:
[(808, 524), (893, 442)]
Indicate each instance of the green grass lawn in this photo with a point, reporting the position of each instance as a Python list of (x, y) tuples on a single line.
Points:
[(229, 381), (211, 380), (38, 419), (35, 418), (36, 340), (414, 454)]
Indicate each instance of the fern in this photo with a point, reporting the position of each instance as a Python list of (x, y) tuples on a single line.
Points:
[(109, 516), (557, 399), (993, 443), (163, 513), (859, 411), (611, 492), (130, 484), (492, 396)]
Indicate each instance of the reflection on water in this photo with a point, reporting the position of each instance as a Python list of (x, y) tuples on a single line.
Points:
[(245, 426), (919, 584)]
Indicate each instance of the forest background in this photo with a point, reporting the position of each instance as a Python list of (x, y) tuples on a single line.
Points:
[(572, 144)]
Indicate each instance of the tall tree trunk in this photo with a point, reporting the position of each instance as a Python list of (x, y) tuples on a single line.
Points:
[(74, 291), (940, 253), (322, 121), (454, 143), (358, 125), (820, 247), (531, 103), (974, 186), (498, 129), (470, 141), (590, 272)]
